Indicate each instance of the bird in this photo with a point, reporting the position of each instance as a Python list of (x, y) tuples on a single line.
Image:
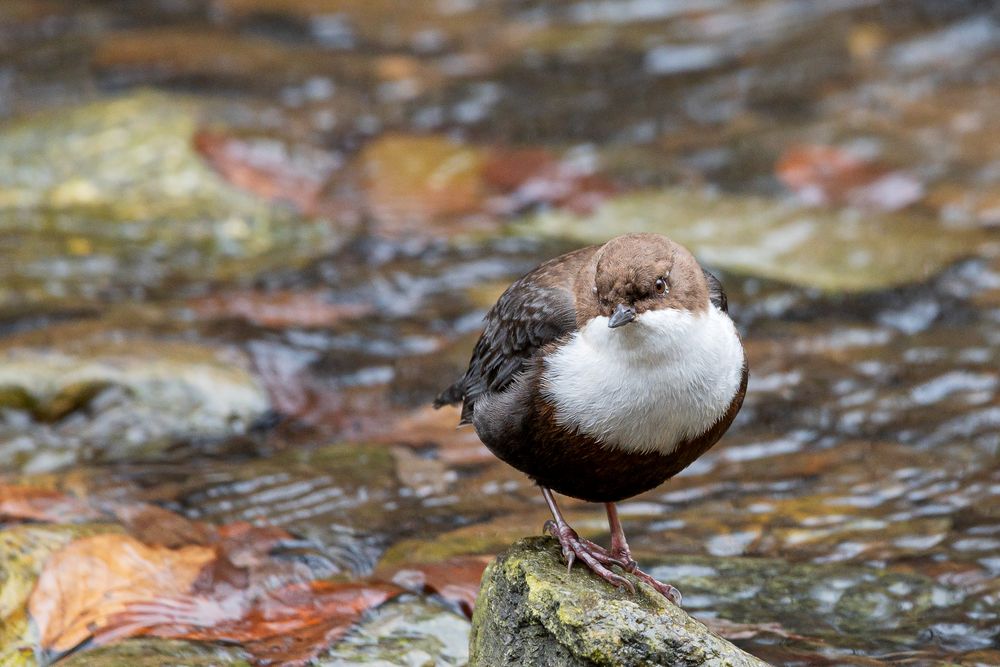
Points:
[(602, 373)]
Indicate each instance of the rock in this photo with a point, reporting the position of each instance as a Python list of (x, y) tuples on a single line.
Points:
[(110, 198), (831, 250), (408, 631), (76, 393), (531, 611)]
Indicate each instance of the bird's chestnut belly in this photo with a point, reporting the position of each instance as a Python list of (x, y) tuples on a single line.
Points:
[(579, 466)]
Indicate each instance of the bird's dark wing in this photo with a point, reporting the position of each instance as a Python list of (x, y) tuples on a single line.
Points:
[(533, 312), (716, 294)]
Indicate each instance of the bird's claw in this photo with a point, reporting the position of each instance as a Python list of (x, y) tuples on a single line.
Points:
[(593, 555), (627, 563)]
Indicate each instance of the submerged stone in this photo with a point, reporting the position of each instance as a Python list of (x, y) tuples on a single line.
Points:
[(846, 251), (531, 611), (75, 393), (111, 198), (409, 631)]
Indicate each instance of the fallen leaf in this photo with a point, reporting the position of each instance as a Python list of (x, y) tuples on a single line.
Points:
[(158, 527), (91, 579), (456, 579), (507, 169), (280, 309), (35, 504), (287, 626)]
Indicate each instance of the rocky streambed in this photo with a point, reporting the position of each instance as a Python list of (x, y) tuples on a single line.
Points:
[(230, 286)]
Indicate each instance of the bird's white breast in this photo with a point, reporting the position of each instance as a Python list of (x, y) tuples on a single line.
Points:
[(648, 385)]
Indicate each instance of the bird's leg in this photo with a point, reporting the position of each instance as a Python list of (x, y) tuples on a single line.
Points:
[(621, 553), (619, 547), (573, 546)]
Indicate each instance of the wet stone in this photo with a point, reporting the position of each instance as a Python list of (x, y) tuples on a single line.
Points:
[(409, 631), (531, 611), (111, 199), (774, 239), (99, 397), (332, 498)]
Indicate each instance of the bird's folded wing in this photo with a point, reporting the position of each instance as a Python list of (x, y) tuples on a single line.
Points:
[(529, 315)]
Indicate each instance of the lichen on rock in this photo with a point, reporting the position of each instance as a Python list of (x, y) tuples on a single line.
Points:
[(532, 611)]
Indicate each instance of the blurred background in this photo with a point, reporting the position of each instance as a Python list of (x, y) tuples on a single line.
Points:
[(243, 243)]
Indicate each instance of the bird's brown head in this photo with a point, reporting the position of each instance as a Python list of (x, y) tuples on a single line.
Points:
[(636, 273)]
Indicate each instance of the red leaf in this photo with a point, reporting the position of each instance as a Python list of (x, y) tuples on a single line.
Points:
[(269, 168), (822, 175), (287, 626)]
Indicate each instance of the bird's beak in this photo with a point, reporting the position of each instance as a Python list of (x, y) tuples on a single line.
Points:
[(622, 315)]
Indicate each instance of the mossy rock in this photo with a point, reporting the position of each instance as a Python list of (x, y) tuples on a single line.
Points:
[(532, 611), (835, 251)]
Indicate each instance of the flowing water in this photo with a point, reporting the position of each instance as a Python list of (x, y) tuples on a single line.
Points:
[(244, 243)]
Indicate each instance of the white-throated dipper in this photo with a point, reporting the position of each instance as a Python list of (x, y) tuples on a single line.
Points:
[(601, 374)]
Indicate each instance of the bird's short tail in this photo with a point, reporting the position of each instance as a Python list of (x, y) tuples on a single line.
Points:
[(452, 395)]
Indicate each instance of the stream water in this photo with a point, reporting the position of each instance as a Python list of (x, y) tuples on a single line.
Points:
[(244, 243)]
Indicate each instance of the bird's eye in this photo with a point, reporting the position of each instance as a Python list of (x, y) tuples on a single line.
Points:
[(661, 286)]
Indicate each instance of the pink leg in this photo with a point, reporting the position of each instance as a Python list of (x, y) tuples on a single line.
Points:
[(621, 553), (573, 546)]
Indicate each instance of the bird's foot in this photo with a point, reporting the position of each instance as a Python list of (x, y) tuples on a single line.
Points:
[(666, 590), (621, 554), (593, 555)]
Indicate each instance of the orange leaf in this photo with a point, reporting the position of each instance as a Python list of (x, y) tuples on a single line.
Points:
[(86, 582), (27, 502)]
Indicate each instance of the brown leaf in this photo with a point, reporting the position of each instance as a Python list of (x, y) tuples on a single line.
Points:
[(158, 527), (30, 503), (288, 626), (456, 579), (508, 169), (86, 582), (279, 309)]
